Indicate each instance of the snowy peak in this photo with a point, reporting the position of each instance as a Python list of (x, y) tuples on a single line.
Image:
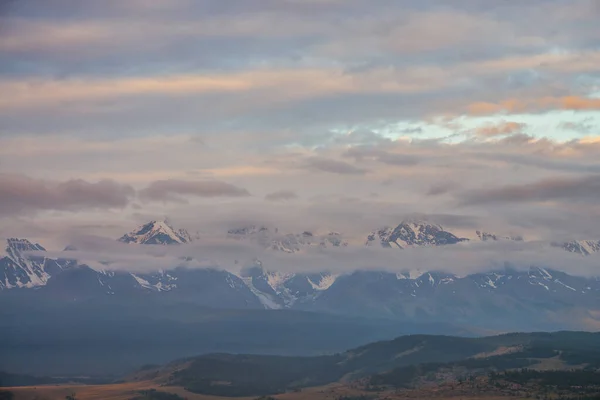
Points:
[(15, 249), (19, 245), (157, 232), (490, 237), (273, 239), (248, 230), (295, 242), (283, 290), (273, 281), (413, 234), (18, 269), (434, 279), (583, 247)]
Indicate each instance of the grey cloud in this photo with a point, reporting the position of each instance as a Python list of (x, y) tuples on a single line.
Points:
[(22, 194), (561, 224), (231, 254), (235, 37), (281, 195), (173, 190), (582, 127), (441, 188), (412, 131), (456, 220), (585, 189), (517, 139), (397, 159), (534, 160), (361, 137), (333, 166), (385, 157)]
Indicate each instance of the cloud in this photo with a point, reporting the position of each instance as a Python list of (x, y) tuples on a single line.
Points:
[(330, 104), (231, 255), (333, 166), (382, 156), (500, 129), (584, 127), (574, 103), (325, 196), (274, 85), (271, 65), (586, 189), (173, 189), (22, 194), (281, 195), (360, 136), (440, 188), (517, 139)]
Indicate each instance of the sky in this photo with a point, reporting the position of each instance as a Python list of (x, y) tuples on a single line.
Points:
[(343, 115)]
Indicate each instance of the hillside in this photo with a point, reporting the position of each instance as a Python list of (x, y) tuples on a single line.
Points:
[(565, 351), (398, 363), (561, 365)]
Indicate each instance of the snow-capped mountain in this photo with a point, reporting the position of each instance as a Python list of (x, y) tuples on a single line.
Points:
[(273, 239), (529, 297), (413, 234), (68, 279), (18, 270), (206, 287), (56, 279), (536, 297), (583, 247), (285, 290), (157, 232), (487, 237)]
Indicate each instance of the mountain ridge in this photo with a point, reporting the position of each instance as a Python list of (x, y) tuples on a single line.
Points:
[(157, 232), (537, 296)]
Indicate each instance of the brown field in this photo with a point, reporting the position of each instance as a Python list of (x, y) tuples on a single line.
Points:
[(125, 391), (121, 391)]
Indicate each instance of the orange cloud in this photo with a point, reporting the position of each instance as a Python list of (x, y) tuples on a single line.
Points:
[(274, 85), (500, 129), (580, 103), (511, 106)]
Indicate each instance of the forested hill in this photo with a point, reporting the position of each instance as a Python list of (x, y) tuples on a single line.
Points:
[(397, 362)]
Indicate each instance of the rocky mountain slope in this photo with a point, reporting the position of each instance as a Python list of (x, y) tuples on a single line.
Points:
[(157, 232), (18, 269), (411, 234), (272, 239), (583, 247)]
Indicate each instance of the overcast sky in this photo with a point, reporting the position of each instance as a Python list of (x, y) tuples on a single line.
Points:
[(339, 115)]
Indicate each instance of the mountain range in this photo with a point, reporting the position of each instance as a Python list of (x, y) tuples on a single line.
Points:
[(506, 298)]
